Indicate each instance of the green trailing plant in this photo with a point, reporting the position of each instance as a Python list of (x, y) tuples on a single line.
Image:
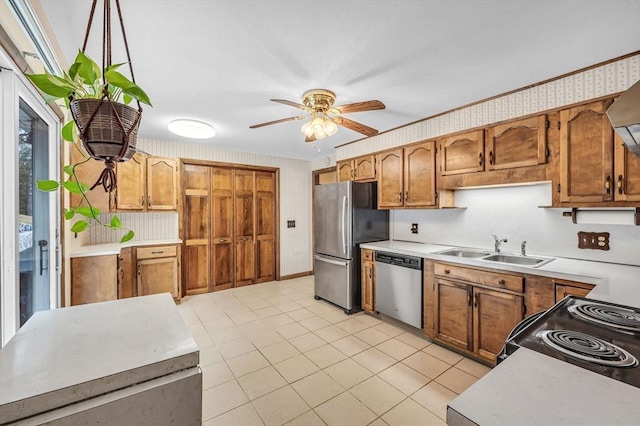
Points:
[(85, 80)]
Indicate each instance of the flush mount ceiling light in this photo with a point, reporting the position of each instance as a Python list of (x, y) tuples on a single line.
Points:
[(192, 129)]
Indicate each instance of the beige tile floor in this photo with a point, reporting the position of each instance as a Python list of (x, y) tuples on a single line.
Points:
[(272, 355)]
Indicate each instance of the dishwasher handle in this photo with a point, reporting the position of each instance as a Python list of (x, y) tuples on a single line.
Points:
[(402, 261)]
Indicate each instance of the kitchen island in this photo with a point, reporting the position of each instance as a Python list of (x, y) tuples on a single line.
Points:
[(530, 388), (129, 361)]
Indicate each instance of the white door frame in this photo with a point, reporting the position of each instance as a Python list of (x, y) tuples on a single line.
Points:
[(13, 88)]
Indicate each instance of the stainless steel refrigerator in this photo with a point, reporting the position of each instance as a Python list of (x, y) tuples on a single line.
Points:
[(345, 215)]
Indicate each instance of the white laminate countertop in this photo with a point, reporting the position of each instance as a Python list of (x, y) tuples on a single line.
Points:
[(67, 355), (114, 248), (530, 388), (614, 283)]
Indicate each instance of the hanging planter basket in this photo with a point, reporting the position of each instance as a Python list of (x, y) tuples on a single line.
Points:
[(109, 130)]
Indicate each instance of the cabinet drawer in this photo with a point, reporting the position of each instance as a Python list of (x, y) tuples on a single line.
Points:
[(491, 279), (156, 251), (367, 255)]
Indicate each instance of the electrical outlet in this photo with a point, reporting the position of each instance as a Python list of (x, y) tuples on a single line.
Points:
[(291, 224), (593, 240), (414, 228)]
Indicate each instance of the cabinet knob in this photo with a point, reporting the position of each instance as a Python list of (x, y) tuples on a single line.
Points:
[(607, 184), (502, 282), (399, 196), (447, 271), (620, 181), (491, 157), (480, 159), (149, 200), (406, 196)]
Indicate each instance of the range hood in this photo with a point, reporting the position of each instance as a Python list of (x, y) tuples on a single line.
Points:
[(624, 115)]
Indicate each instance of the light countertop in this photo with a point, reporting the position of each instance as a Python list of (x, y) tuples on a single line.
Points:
[(530, 388), (614, 283), (114, 248), (66, 355)]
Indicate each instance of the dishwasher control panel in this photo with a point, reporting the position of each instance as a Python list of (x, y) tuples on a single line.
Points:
[(399, 260)]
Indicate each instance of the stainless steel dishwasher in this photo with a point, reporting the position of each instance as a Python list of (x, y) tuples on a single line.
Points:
[(399, 287)]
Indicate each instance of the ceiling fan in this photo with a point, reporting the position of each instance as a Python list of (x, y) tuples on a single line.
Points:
[(323, 116)]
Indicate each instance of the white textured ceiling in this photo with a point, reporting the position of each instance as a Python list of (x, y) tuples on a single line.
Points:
[(221, 61)]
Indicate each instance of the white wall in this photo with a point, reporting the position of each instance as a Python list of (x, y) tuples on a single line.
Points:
[(513, 213), (295, 201)]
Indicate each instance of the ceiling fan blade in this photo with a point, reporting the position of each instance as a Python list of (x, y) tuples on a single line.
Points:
[(360, 106), (311, 138), (358, 127), (293, 104), (282, 120)]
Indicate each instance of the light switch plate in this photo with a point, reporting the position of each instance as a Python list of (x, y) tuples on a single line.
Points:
[(593, 240)]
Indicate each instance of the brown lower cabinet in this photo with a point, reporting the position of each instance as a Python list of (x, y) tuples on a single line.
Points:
[(475, 314), (135, 271), (368, 281), (474, 310), (229, 219)]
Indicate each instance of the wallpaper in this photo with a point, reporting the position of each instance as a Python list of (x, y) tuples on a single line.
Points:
[(295, 201), (593, 83)]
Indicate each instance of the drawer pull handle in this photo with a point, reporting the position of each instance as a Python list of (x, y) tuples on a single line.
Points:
[(221, 241), (620, 189), (157, 252), (447, 271), (502, 282)]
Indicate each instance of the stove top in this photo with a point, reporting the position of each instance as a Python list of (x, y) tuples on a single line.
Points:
[(599, 336)]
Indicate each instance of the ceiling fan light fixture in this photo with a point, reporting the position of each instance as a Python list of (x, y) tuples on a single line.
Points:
[(306, 129), (192, 129), (330, 128)]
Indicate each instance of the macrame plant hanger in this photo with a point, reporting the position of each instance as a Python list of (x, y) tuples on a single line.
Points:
[(108, 129)]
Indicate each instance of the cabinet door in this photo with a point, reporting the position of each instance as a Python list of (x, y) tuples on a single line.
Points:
[(162, 184), (368, 274), (519, 143), (158, 276), (494, 316), (94, 279), (130, 193), (345, 170), (586, 154), (196, 228), (453, 313), (265, 226), (627, 173), (420, 175), (244, 227), (365, 168), (390, 179), (221, 229), (126, 273), (463, 153)]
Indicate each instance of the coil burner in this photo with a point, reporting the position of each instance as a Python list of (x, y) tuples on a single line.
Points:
[(587, 348), (612, 316)]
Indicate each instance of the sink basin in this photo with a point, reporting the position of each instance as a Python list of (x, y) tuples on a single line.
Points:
[(517, 260), (469, 253)]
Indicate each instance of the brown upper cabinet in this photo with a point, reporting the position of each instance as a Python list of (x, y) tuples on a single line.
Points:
[(147, 183), (462, 153), (361, 169), (407, 176), (595, 166), (518, 143)]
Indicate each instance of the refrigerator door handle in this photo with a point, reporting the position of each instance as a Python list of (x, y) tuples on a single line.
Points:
[(327, 260), (344, 219)]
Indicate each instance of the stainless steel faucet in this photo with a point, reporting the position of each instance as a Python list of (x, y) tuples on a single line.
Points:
[(523, 250), (498, 243)]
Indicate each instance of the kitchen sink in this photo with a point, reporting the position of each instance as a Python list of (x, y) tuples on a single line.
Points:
[(511, 259), (464, 253), (517, 260)]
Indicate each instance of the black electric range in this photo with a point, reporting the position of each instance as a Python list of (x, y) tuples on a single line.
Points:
[(599, 336)]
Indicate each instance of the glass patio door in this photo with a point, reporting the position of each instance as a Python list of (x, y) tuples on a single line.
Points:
[(34, 219)]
